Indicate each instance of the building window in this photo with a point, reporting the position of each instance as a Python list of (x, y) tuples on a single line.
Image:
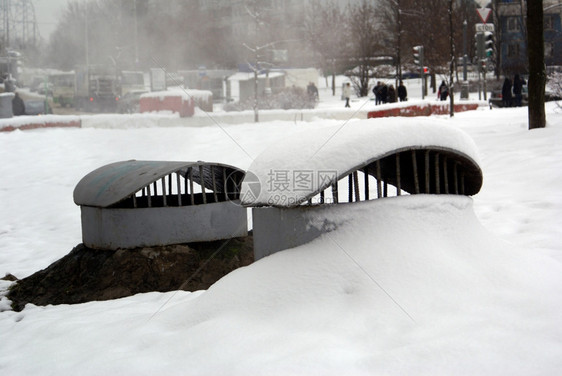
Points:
[(513, 50), (513, 24), (548, 22), (548, 50)]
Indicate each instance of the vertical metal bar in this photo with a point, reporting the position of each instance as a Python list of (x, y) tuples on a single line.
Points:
[(155, 189), (170, 185), (350, 188), (456, 177), (427, 187), (366, 173), (225, 185), (379, 179), (202, 181), (164, 203), (385, 189), (445, 175), (462, 182), (356, 186), (437, 182), (134, 200), (178, 184), (191, 186), (398, 187), (335, 192), (214, 184), (148, 196), (415, 170), (321, 197)]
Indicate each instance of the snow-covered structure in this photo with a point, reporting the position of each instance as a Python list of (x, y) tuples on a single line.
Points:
[(290, 184), (133, 204)]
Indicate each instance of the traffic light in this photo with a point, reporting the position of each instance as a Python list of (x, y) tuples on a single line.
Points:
[(480, 45), (489, 44), (418, 55)]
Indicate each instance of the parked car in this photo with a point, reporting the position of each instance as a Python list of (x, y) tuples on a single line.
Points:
[(130, 102), (496, 98), (37, 107)]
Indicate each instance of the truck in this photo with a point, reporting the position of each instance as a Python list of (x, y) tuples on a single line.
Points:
[(62, 88), (132, 81), (97, 88)]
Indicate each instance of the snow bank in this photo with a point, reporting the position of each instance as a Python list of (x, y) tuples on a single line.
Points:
[(406, 285)]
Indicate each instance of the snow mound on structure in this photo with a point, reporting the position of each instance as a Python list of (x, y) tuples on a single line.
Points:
[(403, 282), (344, 148)]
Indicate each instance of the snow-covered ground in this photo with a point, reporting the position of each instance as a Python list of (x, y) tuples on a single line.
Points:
[(420, 285)]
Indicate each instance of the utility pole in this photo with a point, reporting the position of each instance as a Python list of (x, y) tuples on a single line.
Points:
[(464, 86), (452, 64)]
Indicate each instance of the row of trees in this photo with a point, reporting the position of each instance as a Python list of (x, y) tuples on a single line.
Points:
[(180, 34), (355, 36), (137, 34)]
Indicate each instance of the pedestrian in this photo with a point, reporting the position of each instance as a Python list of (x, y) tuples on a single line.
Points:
[(377, 92), (518, 83), (18, 107), (312, 91), (402, 92), (384, 93), (443, 92), (506, 93), (347, 93), (391, 94)]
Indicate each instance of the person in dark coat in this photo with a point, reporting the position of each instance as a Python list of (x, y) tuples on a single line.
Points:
[(506, 92), (443, 92), (312, 91), (377, 91), (18, 107), (402, 92), (518, 83), (391, 94), (384, 93)]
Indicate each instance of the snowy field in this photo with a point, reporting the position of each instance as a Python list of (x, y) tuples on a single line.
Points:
[(425, 285)]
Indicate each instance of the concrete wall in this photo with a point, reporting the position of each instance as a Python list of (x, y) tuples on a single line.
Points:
[(276, 229), (130, 228)]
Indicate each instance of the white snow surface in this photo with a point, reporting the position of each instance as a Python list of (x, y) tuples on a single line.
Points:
[(341, 149), (185, 94), (425, 285)]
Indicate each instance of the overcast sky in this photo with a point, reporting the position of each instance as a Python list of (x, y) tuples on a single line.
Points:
[(46, 13)]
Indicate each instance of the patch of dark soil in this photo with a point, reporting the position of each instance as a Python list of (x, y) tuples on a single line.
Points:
[(91, 274)]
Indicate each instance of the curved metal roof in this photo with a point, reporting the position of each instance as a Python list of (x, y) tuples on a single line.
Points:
[(117, 181), (330, 154)]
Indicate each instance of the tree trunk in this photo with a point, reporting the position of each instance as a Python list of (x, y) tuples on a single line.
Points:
[(537, 70), (452, 62)]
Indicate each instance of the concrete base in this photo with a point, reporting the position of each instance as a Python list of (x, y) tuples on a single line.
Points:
[(276, 229), (141, 227), (464, 90)]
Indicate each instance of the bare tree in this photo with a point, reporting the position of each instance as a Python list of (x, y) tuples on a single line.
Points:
[(537, 70), (452, 61), (327, 34), (366, 31)]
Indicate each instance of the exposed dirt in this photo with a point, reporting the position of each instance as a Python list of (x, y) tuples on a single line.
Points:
[(89, 274)]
